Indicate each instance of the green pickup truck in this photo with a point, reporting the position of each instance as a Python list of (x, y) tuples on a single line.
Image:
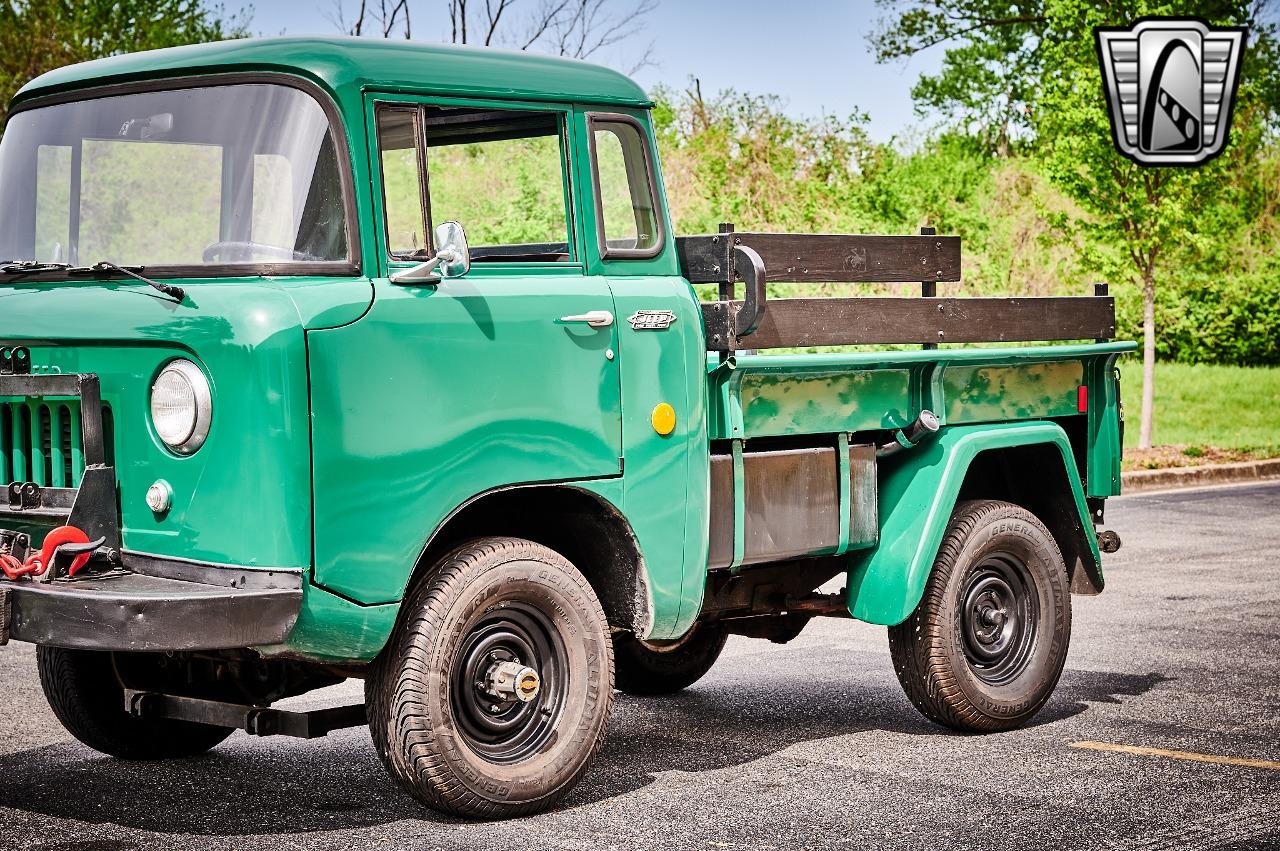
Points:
[(334, 358)]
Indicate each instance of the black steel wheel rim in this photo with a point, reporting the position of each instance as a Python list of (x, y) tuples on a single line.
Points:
[(999, 616), (508, 730)]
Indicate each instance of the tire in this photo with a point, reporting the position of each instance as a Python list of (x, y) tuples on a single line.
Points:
[(985, 647), (665, 667), (86, 695), (441, 733)]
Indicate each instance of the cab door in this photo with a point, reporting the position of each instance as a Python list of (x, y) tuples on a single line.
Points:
[(443, 391), (663, 353)]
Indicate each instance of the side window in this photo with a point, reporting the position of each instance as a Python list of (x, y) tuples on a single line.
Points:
[(501, 174), (402, 182), (498, 172), (626, 203)]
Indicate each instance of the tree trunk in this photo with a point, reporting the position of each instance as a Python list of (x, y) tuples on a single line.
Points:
[(1148, 356)]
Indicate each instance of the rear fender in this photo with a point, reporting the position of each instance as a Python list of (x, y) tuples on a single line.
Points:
[(919, 490)]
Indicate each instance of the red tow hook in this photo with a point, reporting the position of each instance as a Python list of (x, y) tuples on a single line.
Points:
[(12, 567), (71, 537)]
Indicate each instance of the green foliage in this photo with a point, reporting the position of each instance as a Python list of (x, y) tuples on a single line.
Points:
[(402, 195), (985, 83), (40, 35), (1189, 240), (504, 192), (1146, 212), (1229, 407), (1186, 236), (1227, 320), (1027, 226), (126, 207), (739, 158)]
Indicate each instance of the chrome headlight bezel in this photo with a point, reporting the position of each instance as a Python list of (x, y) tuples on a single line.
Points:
[(191, 433)]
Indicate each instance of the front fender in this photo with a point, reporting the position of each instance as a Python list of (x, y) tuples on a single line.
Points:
[(918, 491)]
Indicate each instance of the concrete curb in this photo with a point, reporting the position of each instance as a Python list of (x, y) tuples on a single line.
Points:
[(1139, 481)]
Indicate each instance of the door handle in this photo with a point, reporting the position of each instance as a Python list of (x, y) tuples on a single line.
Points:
[(594, 318)]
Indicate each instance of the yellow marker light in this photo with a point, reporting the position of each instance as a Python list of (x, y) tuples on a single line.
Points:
[(663, 419)]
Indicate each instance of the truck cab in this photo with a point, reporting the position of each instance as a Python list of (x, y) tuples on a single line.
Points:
[(332, 358)]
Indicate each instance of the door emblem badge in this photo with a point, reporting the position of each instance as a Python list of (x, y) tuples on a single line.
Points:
[(651, 320)]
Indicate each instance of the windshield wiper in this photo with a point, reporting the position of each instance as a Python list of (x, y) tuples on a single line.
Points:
[(102, 266), (34, 267), (31, 267)]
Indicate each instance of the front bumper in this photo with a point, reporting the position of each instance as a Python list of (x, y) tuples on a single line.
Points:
[(155, 604), (126, 600)]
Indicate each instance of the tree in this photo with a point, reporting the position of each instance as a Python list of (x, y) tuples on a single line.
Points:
[(40, 35), (993, 56), (388, 19), (1146, 216), (581, 29)]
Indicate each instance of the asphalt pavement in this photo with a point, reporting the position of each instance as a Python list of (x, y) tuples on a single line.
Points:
[(808, 745)]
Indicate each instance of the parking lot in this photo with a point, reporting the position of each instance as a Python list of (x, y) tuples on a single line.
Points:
[(804, 746)]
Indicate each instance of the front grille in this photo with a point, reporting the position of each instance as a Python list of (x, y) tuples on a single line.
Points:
[(40, 442)]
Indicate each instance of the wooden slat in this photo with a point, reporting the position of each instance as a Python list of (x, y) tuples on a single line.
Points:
[(819, 258), (792, 322)]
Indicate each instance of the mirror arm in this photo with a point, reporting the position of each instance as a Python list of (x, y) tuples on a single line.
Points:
[(420, 274), (453, 259)]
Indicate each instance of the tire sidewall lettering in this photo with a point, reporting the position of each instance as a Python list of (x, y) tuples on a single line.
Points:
[(976, 532), (570, 609)]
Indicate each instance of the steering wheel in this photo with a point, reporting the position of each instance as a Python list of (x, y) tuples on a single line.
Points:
[(235, 251)]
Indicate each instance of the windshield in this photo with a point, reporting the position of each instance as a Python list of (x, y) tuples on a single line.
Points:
[(235, 174)]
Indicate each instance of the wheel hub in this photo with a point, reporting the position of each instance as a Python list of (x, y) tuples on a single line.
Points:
[(509, 682), (510, 679), (997, 619)]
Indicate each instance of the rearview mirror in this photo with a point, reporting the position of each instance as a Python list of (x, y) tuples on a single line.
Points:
[(157, 126), (452, 258)]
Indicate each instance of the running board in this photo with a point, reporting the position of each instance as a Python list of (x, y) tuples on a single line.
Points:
[(254, 720)]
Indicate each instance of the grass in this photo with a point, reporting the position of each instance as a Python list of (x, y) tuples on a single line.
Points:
[(1202, 410)]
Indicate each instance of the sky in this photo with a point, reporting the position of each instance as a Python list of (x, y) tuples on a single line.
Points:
[(811, 53)]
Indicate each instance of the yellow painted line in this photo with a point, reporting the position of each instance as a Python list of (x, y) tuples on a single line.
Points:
[(1190, 756)]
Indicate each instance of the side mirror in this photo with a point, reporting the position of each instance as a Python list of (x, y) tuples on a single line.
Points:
[(452, 258)]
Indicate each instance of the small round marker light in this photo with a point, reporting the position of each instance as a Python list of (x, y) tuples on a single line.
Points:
[(663, 419), (159, 497)]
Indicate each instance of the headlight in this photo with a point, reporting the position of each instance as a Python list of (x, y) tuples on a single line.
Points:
[(181, 406)]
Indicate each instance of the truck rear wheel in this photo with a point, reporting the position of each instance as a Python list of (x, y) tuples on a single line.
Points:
[(665, 667), (86, 694), (985, 647), (492, 698)]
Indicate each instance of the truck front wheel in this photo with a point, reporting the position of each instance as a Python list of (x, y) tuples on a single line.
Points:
[(985, 647), (85, 691), (665, 667), (493, 695)]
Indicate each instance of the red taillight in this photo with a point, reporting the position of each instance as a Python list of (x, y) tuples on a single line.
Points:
[(1082, 399)]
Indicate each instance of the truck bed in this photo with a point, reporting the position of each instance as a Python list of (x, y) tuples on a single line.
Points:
[(804, 446), (779, 395), (794, 468)]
